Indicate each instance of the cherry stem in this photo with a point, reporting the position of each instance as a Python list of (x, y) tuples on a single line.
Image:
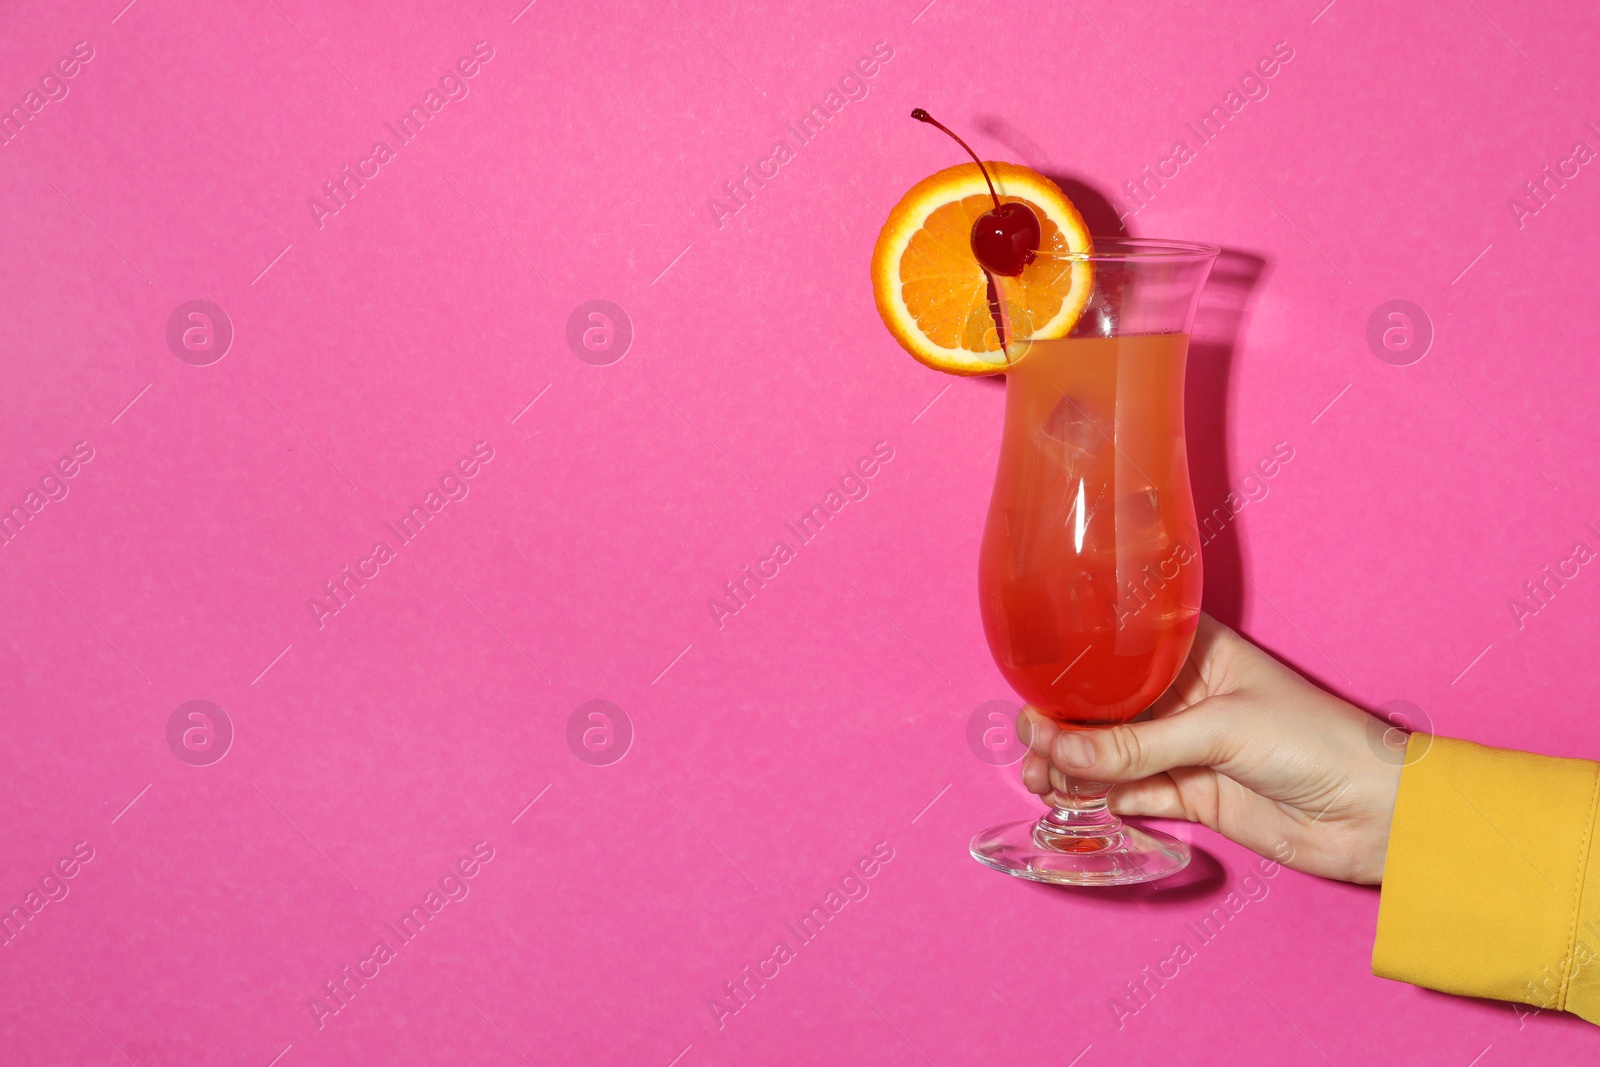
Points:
[(922, 116)]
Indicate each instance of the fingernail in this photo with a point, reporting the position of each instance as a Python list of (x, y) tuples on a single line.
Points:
[(1076, 750), (1024, 729)]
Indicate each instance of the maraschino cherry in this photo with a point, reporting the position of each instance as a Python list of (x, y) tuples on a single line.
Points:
[(1006, 238)]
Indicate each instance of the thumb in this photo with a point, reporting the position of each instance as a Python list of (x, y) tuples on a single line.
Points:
[(1199, 736)]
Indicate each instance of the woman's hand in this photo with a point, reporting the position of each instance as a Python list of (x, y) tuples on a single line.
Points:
[(1245, 745)]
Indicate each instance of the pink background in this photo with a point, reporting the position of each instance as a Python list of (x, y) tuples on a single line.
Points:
[(372, 752)]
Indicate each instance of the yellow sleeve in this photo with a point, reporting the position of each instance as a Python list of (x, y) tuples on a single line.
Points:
[(1488, 888)]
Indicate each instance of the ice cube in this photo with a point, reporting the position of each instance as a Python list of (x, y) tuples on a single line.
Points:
[(1139, 525), (1076, 435)]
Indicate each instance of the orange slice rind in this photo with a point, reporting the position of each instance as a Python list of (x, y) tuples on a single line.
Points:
[(933, 294)]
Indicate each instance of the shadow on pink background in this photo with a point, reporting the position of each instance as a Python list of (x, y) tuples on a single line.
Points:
[(410, 752)]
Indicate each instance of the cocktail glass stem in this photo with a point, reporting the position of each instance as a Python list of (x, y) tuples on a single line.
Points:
[(1080, 820)]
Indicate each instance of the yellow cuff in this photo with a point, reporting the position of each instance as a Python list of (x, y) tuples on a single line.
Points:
[(1484, 890)]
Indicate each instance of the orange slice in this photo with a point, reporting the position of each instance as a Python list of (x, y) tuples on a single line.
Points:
[(933, 294)]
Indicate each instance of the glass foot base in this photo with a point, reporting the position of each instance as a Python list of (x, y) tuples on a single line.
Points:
[(1040, 851)]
